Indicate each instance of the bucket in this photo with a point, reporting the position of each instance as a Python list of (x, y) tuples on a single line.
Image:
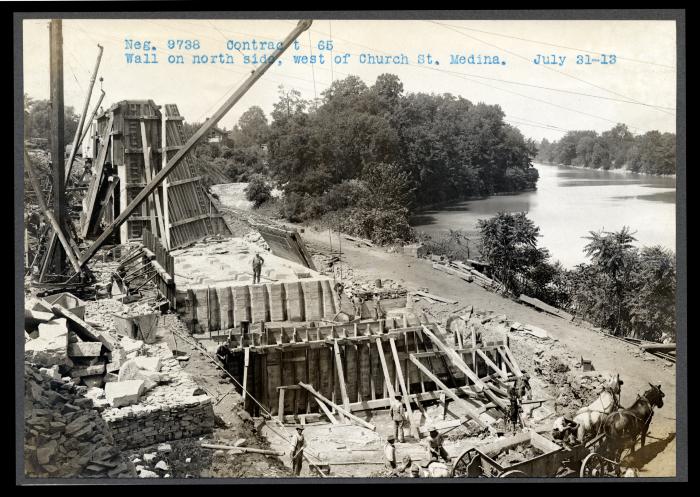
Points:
[(146, 327), (124, 326)]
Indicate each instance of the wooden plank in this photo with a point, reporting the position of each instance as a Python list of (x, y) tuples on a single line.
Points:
[(49, 215), (341, 375), (280, 403), (91, 197), (345, 412), (184, 181), (456, 360), (507, 362), (188, 220), (326, 411), (385, 369), (402, 383), (435, 297), (493, 365), (444, 388), (513, 362), (246, 359), (546, 307), (149, 175)]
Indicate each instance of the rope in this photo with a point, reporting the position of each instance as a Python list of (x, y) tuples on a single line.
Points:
[(313, 73), (201, 349)]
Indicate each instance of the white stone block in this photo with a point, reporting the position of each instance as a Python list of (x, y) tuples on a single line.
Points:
[(123, 393)]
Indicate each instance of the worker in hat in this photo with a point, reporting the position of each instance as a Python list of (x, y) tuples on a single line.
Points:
[(297, 454), (390, 453), (522, 383), (257, 267), (434, 446), (378, 309), (396, 411)]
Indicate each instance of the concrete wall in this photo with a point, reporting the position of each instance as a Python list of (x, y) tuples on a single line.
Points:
[(219, 308)]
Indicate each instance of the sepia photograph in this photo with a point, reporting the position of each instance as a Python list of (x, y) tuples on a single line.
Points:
[(357, 246)]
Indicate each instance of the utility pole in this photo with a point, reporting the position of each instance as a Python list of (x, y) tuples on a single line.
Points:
[(57, 138)]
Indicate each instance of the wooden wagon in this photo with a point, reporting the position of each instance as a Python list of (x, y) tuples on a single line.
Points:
[(534, 456)]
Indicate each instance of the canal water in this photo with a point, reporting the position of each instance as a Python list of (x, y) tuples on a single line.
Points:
[(569, 203)]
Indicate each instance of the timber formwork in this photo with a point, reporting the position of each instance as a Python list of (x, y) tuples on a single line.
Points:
[(361, 366), (133, 140)]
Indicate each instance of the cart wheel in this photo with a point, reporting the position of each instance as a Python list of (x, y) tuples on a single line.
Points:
[(593, 466), (513, 473), (464, 466)]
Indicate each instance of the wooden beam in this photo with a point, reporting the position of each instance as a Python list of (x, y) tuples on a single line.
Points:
[(385, 369), (456, 360), (471, 412), (246, 359), (513, 362), (58, 229), (493, 365), (341, 375), (435, 297), (326, 411), (194, 139), (98, 169), (345, 412), (280, 403), (507, 362), (155, 198), (402, 383), (546, 307)]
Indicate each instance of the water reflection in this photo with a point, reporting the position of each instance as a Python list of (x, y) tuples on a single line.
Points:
[(571, 202)]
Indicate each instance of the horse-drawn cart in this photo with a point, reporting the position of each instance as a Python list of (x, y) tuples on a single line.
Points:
[(530, 454)]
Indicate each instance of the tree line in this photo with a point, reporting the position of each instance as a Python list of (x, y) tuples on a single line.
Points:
[(650, 153), (366, 157), (628, 290)]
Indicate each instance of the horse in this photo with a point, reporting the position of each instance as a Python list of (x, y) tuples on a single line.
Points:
[(624, 426), (590, 418)]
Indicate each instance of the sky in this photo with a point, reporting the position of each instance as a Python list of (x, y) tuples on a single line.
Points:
[(543, 101)]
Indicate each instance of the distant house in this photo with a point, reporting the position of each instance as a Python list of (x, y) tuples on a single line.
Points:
[(217, 135)]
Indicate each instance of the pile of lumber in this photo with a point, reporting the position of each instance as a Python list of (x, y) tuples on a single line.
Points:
[(665, 351), (467, 273)]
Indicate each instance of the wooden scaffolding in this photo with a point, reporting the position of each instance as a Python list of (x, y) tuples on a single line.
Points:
[(132, 142)]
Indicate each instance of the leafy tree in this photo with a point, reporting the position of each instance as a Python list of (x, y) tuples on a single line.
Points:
[(258, 191), (509, 244), (613, 255), (652, 299)]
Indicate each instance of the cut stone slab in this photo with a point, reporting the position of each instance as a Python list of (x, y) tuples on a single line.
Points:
[(50, 348), (165, 448), (97, 369), (162, 465), (149, 458), (84, 349), (535, 331), (148, 363), (123, 393)]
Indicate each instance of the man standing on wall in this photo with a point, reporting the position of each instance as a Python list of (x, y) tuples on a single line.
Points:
[(396, 411), (257, 267), (298, 444)]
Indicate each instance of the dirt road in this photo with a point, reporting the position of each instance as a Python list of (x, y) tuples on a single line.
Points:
[(658, 458)]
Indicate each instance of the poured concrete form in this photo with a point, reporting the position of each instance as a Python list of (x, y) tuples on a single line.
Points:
[(359, 366), (215, 290)]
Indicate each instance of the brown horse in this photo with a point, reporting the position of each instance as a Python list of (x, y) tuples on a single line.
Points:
[(622, 428)]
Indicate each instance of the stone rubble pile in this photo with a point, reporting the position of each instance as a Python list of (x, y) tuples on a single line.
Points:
[(64, 436), (139, 389)]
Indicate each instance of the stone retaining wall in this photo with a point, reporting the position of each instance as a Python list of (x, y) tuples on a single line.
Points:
[(175, 410)]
